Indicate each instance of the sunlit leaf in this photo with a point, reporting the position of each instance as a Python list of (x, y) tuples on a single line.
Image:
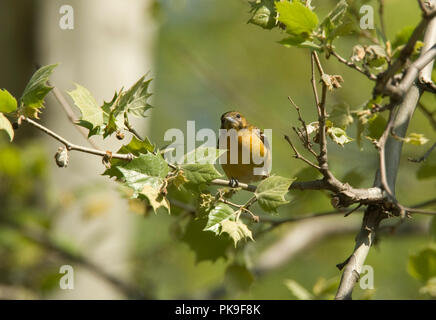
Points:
[(145, 170), (237, 230), (270, 193), (134, 100), (417, 139), (7, 102), (218, 214), (37, 88), (92, 113), (155, 198), (6, 126), (334, 19), (299, 20), (200, 173), (341, 116), (339, 136)]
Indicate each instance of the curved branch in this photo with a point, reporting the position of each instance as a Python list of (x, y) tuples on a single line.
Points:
[(392, 151)]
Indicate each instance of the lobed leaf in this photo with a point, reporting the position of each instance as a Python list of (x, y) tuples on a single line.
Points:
[(237, 230), (37, 88), (155, 198), (339, 135), (145, 170), (217, 215), (92, 113), (270, 193)]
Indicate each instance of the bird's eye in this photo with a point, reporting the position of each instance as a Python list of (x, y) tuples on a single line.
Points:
[(238, 116)]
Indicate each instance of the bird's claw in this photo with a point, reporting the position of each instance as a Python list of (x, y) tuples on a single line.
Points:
[(233, 183)]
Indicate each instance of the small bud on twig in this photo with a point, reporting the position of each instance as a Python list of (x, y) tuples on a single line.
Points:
[(62, 157)]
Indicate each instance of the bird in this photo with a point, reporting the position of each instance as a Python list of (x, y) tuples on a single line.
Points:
[(250, 140)]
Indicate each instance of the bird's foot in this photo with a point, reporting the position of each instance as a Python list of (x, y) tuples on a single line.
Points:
[(233, 183)]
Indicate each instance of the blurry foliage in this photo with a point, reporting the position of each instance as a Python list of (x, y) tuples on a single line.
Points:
[(24, 206), (213, 235)]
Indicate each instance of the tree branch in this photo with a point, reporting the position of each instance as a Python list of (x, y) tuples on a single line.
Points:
[(392, 151), (71, 146)]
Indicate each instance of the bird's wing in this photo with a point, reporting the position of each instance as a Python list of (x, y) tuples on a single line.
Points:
[(262, 137)]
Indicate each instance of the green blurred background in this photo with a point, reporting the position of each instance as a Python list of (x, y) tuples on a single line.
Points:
[(208, 60)]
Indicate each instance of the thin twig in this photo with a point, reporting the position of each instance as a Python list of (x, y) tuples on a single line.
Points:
[(382, 18), (131, 129), (70, 146), (306, 139), (299, 156), (353, 65)]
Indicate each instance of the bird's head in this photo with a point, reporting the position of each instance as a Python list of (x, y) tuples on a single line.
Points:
[(233, 120)]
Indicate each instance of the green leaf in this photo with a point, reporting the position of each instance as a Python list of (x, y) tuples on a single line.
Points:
[(298, 290), (7, 102), (341, 116), (264, 13), (197, 165), (299, 20), (136, 146), (237, 230), (218, 214), (422, 266), (202, 155), (155, 198), (200, 173), (270, 193), (206, 245), (134, 100), (339, 136), (334, 19), (6, 126), (300, 42), (238, 277), (376, 126), (375, 56), (92, 114), (112, 122), (36, 89), (417, 139), (145, 170)]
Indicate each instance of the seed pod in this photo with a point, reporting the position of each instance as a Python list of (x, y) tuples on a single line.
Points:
[(62, 157), (120, 135)]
